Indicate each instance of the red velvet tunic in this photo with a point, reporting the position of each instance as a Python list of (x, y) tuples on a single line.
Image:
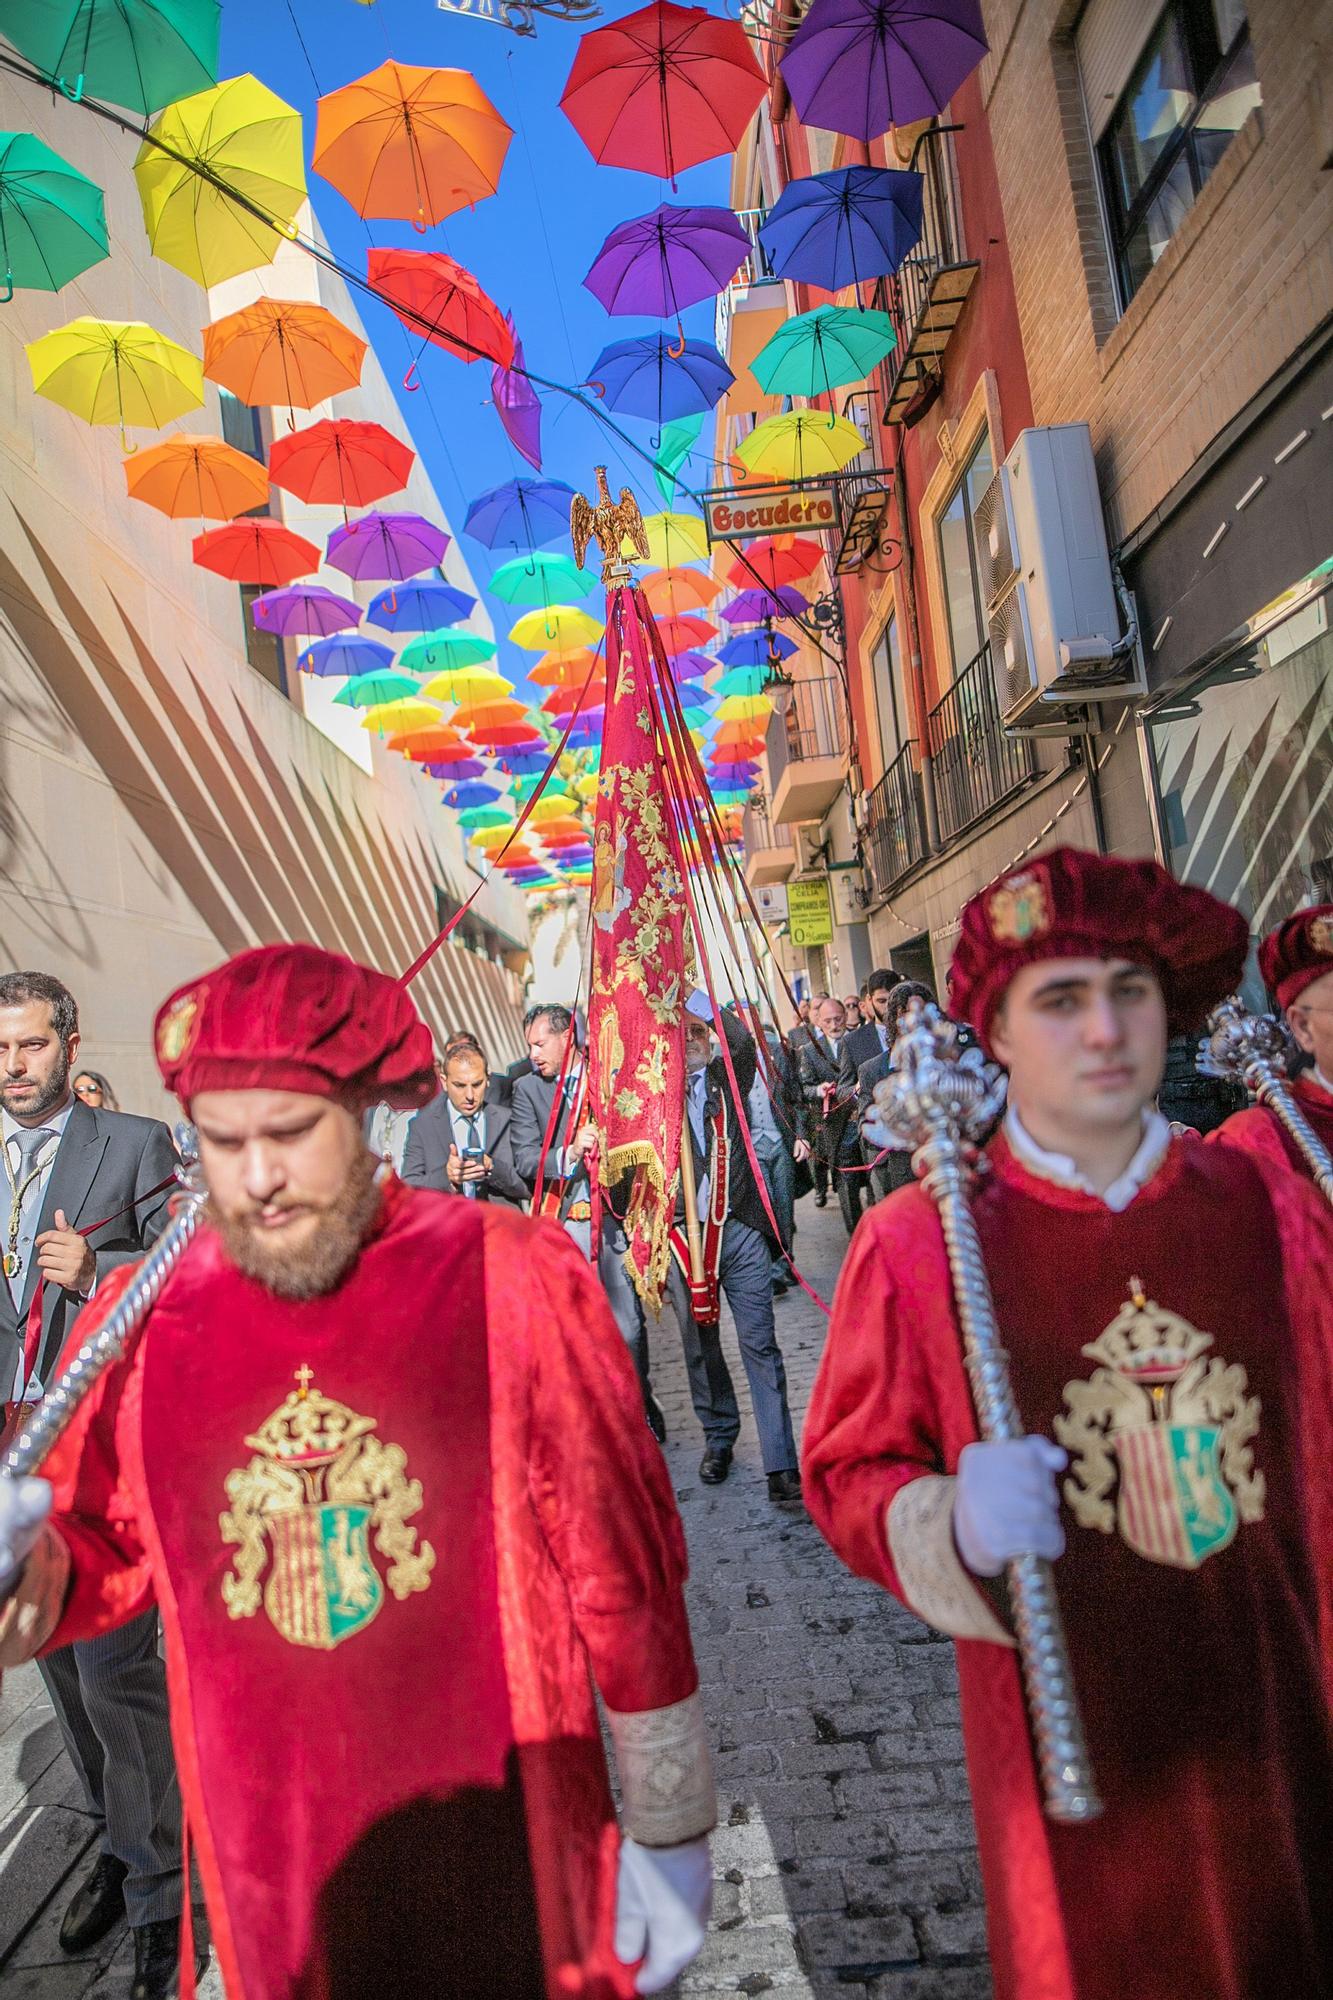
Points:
[(391, 1758), (1197, 1665), (1259, 1131)]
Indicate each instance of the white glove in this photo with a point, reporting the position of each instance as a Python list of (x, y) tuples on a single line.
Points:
[(24, 1505), (1007, 1504), (663, 1900)]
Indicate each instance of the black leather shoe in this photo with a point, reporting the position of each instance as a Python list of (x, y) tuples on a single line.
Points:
[(157, 1960), (784, 1487), (97, 1907), (715, 1464), (781, 1287), (821, 1201), (656, 1420)]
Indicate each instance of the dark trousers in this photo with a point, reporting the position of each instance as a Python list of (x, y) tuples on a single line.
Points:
[(745, 1271), (853, 1184), (780, 1180)]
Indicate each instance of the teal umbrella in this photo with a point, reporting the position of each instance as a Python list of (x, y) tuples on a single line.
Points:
[(52, 224), (678, 441), (141, 54), (438, 651), (369, 690), (822, 350), (743, 681), (540, 578)]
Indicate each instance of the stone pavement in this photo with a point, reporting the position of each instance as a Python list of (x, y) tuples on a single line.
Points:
[(844, 1858)]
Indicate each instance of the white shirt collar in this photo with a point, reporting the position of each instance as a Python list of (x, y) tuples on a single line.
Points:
[(57, 1122), (460, 1118), (1060, 1169)]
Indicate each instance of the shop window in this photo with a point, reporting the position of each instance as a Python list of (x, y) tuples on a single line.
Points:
[(264, 650), (960, 573), (1193, 89)]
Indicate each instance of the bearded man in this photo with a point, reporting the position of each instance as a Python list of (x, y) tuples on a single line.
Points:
[(381, 1461)]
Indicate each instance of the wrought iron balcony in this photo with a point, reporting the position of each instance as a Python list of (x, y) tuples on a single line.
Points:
[(754, 285), (926, 296), (974, 764), (896, 822), (807, 750)]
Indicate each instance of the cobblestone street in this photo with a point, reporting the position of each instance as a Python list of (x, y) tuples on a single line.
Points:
[(844, 1858)]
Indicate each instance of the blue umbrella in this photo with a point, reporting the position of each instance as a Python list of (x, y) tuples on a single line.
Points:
[(660, 377), (753, 649), (524, 512), (422, 606), (844, 227), (521, 760), (344, 654), (460, 797)]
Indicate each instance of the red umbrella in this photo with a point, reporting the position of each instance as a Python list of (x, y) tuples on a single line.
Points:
[(437, 300), (259, 551), (348, 463), (679, 634), (663, 89), (778, 559)]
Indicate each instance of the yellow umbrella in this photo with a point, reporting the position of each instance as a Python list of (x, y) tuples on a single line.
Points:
[(467, 684), (392, 718), (239, 134), (553, 805), (743, 707), (802, 444), (558, 625), (676, 538), (115, 371)]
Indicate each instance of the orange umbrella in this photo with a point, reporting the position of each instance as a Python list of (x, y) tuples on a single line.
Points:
[(674, 593), (429, 746), (555, 670), (187, 475), (343, 461), (283, 352), (410, 143), (256, 552), (481, 715)]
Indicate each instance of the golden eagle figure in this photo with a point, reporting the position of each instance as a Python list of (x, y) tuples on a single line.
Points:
[(611, 523)]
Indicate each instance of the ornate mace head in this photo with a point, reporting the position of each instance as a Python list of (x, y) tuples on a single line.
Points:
[(611, 523), (1241, 1047), (937, 1090)]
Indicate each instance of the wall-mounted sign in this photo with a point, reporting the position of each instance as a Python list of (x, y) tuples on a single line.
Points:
[(809, 916), (849, 893), (778, 510), (770, 899), (516, 15)]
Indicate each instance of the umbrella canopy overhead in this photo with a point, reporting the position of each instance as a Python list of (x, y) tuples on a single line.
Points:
[(674, 593), (236, 138), (663, 89), (283, 352), (338, 657), (844, 227), (802, 444), (778, 559), (460, 797), (567, 669), (860, 66), (342, 461), (192, 475), (369, 690), (517, 404), (677, 442), (420, 606), (438, 651), (540, 578), (755, 649), (751, 607), (441, 303), (52, 221), (141, 54), (262, 551), (675, 538), (678, 635), (560, 625), (394, 718), (523, 513), (467, 687), (659, 264), (410, 143), (656, 376), (742, 681), (823, 350), (396, 546), (691, 665), (306, 608), (114, 371)]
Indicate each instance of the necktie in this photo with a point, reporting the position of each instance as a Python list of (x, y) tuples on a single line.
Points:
[(25, 1205), (470, 1188)]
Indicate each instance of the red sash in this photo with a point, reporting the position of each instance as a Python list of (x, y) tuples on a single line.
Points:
[(546, 1199), (705, 1295)]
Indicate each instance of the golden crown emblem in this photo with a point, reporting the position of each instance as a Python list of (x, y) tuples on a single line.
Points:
[(1146, 1342), (310, 1428)]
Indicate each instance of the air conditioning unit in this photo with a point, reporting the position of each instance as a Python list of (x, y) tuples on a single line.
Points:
[(810, 849), (1052, 614)]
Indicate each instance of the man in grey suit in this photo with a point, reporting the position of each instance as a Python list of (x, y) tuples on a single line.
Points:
[(86, 1191), (460, 1144)]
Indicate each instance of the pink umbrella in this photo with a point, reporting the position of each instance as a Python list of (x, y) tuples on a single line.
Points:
[(386, 547), (307, 608)]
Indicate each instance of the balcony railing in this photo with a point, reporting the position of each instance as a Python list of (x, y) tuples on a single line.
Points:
[(758, 830), (926, 295), (896, 821), (975, 765), (756, 270), (814, 725)]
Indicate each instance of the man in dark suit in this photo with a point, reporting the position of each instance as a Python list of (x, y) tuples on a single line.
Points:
[(895, 1169), (86, 1191), (460, 1143), (832, 1132), (780, 1127), (870, 1037)]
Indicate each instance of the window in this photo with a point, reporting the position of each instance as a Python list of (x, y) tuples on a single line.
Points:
[(887, 669), (240, 425), (263, 650), (958, 559), (1193, 89)]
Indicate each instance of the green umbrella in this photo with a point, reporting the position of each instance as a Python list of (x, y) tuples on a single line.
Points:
[(743, 681), (822, 350), (476, 817), (369, 690), (437, 651), (678, 441), (540, 578), (52, 225), (138, 53)]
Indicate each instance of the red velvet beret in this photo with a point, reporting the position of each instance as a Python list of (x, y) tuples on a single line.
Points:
[(1069, 904), (293, 1017), (1297, 953)]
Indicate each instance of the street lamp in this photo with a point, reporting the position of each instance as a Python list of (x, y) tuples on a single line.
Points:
[(776, 683)]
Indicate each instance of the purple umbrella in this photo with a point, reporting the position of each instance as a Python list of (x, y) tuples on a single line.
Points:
[(859, 66), (518, 405), (751, 607), (661, 263), (466, 767), (339, 656), (392, 546), (305, 608), (691, 665)]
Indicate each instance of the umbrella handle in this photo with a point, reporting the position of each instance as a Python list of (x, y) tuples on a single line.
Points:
[(9, 289), (75, 95), (598, 389), (408, 383), (677, 347), (420, 224)]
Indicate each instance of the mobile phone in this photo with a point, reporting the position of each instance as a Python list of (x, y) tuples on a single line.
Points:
[(477, 1153)]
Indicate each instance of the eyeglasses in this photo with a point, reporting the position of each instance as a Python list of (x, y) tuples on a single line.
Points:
[(87, 1090)]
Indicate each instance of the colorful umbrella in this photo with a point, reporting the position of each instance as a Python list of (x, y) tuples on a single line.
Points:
[(539, 578), (776, 560), (673, 593), (306, 608), (192, 475), (114, 371), (467, 686), (564, 701), (478, 716), (338, 657), (138, 53), (523, 512), (526, 761), (476, 817), (752, 607), (755, 649), (675, 539), (393, 718), (466, 766), (802, 444), (860, 66), (342, 461), (659, 264), (502, 735), (663, 89), (441, 304), (654, 376), (517, 404), (678, 635), (235, 140), (460, 797), (409, 143), (677, 442), (560, 625), (743, 681), (745, 708), (844, 227), (52, 221), (823, 350), (691, 666), (392, 545), (567, 669), (370, 689), (438, 743), (262, 551), (283, 352), (441, 650), (420, 606)]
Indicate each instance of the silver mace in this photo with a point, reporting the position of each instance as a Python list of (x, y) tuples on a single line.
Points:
[(1256, 1050), (942, 1101), (56, 1411)]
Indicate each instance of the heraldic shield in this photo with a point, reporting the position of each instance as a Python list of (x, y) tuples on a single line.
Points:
[(319, 1486), (1168, 1431)]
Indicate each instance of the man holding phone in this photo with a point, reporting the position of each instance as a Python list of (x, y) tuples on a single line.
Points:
[(460, 1143)]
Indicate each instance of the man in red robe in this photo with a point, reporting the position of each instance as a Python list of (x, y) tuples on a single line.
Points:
[(1166, 1310), (1297, 964), (381, 1461)]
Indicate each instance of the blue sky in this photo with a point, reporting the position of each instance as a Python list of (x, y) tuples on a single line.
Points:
[(529, 245)]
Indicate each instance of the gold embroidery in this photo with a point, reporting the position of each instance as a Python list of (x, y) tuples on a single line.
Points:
[(1321, 936), (1171, 1429), (176, 1029), (318, 1487), (1019, 909)]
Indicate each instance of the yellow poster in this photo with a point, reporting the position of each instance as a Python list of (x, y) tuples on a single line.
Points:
[(809, 917)]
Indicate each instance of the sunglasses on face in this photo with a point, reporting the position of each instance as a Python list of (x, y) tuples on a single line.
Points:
[(87, 1090)]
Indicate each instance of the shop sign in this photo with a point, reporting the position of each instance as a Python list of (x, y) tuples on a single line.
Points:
[(809, 914), (779, 510)]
